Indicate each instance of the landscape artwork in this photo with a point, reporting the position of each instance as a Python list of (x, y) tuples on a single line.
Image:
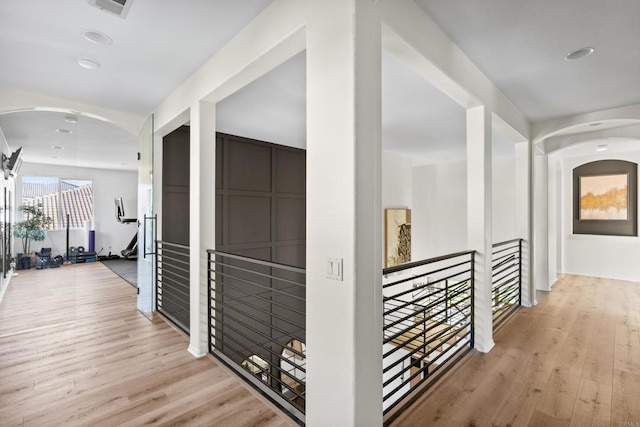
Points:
[(604, 197), (397, 236)]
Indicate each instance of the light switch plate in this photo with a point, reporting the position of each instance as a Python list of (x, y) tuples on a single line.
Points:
[(334, 269)]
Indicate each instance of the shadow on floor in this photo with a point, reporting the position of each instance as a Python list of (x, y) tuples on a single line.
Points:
[(125, 268)]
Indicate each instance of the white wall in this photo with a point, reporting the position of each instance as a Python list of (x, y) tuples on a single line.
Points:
[(439, 218), (614, 257), (504, 199), (396, 186), (107, 185)]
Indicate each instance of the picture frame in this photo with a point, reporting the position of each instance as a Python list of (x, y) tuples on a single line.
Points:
[(397, 242), (605, 198)]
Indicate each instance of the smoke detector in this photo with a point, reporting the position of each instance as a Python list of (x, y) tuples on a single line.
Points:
[(115, 7)]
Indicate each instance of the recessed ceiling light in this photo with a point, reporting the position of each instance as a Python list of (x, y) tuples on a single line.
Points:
[(71, 120), (579, 53), (89, 64), (602, 147), (97, 37), (63, 131), (57, 147)]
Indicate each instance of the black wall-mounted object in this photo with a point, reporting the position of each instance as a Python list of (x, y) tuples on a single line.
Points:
[(613, 227), (11, 164)]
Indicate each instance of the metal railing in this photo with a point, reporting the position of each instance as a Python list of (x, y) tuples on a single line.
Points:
[(257, 318), (172, 282), (506, 289), (428, 325)]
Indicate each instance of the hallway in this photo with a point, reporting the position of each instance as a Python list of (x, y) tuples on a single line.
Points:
[(75, 351), (573, 360)]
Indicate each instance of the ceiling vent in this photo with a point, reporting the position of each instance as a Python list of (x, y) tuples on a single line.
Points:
[(116, 7)]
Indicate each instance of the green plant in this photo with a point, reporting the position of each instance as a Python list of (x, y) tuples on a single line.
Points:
[(33, 227)]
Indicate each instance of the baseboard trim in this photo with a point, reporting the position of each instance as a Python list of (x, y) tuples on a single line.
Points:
[(196, 351)]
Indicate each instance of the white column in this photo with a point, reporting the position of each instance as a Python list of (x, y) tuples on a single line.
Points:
[(344, 316), (553, 221), (479, 233), (540, 222), (202, 190), (523, 217)]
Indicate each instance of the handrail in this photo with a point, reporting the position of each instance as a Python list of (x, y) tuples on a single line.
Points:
[(506, 242), (177, 245), (257, 261), (409, 265)]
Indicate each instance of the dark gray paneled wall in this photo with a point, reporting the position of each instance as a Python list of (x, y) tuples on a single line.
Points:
[(175, 226), (260, 200), (260, 213)]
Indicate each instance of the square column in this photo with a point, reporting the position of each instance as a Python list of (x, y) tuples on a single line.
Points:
[(523, 218), (344, 214), (202, 214), (540, 221), (479, 232)]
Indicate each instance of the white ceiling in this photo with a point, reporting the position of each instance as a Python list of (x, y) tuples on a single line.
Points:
[(91, 142), (519, 45), (157, 46)]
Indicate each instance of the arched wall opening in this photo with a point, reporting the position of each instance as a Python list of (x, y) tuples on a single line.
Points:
[(567, 144)]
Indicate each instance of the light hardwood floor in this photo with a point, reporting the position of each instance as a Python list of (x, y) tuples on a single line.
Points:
[(573, 360), (75, 351)]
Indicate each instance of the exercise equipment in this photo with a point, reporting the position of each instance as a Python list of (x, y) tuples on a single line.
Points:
[(131, 251)]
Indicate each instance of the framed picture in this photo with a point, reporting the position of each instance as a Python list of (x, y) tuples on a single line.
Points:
[(397, 232), (605, 198)]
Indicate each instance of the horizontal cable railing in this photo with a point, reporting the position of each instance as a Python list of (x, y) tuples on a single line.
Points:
[(428, 324), (257, 318), (172, 282), (506, 290)]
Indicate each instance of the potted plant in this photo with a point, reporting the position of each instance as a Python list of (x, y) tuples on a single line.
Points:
[(32, 227)]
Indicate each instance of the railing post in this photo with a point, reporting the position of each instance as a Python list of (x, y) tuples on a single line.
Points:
[(209, 303), (520, 272), (446, 301), (154, 303), (473, 301)]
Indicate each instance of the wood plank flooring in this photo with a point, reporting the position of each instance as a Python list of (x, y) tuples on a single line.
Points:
[(75, 351), (573, 360)]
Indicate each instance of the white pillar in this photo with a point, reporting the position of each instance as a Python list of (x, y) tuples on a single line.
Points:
[(202, 190), (540, 222), (479, 233), (554, 215), (523, 217), (344, 316)]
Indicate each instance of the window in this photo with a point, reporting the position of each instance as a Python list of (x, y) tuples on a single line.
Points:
[(59, 198)]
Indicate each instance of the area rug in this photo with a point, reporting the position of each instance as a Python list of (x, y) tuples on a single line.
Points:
[(125, 268)]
